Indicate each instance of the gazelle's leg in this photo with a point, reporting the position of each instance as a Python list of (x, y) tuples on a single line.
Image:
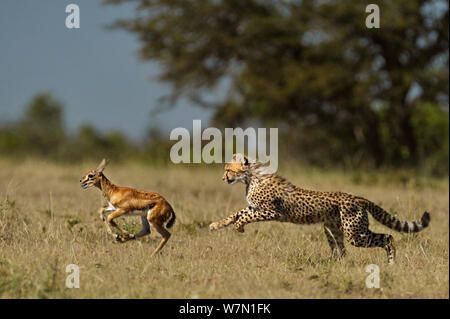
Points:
[(102, 216), (101, 213), (110, 219), (156, 217), (165, 234), (145, 227)]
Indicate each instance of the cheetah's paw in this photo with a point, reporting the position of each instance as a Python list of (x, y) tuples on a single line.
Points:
[(214, 226)]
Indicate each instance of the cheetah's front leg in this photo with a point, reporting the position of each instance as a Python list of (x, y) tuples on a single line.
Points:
[(229, 220), (256, 215), (335, 238)]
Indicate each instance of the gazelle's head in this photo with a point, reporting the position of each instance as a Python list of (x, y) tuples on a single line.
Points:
[(92, 177), (237, 169)]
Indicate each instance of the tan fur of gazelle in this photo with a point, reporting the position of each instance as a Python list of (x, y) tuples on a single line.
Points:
[(153, 209)]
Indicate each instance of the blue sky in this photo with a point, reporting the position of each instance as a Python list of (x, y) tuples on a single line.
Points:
[(95, 72)]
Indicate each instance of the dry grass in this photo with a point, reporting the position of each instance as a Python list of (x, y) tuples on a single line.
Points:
[(47, 222)]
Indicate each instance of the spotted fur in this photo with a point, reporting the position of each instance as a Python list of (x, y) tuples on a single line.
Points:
[(273, 198)]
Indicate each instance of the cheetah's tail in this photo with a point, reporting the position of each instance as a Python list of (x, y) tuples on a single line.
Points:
[(390, 221)]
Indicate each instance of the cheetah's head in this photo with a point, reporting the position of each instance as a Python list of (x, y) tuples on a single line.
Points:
[(237, 169)]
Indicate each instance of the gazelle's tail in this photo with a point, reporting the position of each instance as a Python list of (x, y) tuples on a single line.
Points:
[(171, 220)]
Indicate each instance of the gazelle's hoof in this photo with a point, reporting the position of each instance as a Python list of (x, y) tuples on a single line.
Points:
[(120, 239), (124, 238)]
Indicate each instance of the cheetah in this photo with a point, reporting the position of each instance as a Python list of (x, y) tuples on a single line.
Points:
[(273, 198)]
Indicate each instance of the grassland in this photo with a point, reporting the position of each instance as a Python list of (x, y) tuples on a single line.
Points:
[(47, 222)]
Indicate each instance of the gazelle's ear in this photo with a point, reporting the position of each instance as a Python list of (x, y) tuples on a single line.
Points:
[(102, 165)]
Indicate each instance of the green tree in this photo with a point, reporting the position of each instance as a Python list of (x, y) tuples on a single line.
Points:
[(89, 143), (42, 125), (310, 67), (10, 141), (40, 131)]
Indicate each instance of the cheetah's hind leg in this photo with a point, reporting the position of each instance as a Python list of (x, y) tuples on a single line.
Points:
[(370, 239), (390, 249), (361, 236)]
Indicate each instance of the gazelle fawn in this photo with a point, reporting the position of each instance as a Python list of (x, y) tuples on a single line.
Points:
[(153, 209)]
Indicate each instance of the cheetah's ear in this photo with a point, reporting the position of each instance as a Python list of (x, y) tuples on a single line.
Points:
[(240, 158)]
